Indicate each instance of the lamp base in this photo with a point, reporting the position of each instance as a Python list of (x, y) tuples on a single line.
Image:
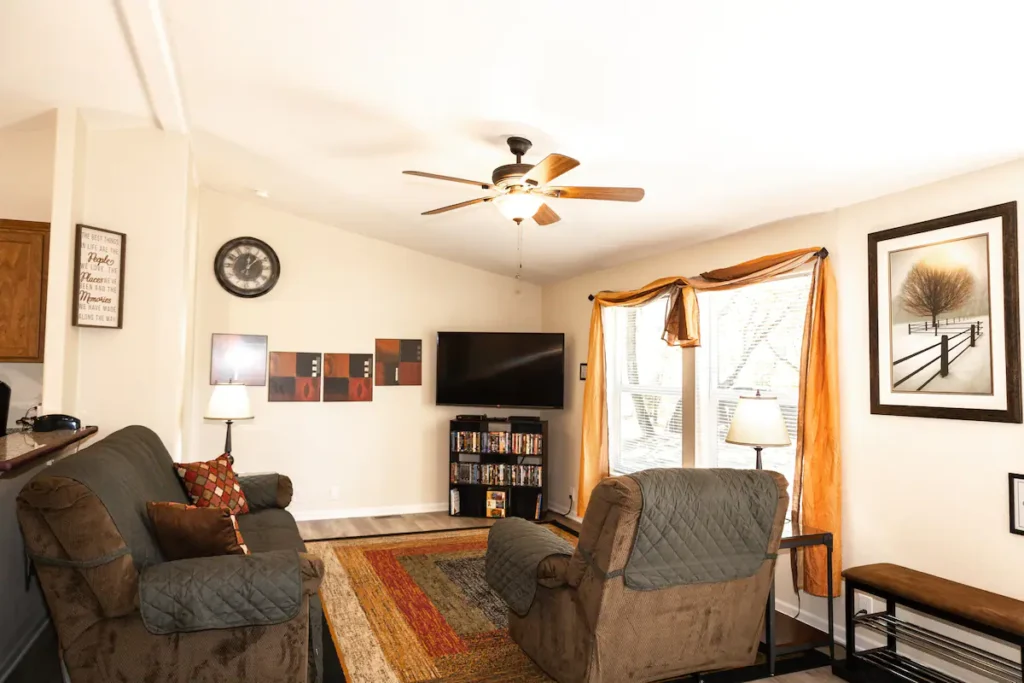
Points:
[(231, 458), (757, 449)]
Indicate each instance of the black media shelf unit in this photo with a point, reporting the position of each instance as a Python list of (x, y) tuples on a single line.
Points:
[(511, 452)]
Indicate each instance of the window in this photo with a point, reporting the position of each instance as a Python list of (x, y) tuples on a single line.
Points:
[(645, 389), (751, 340)]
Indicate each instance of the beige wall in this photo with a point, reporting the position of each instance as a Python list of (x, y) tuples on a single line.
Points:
[(137, 182), (338, 292), (929, 494), (26, 170), (60, 374), (26, 182)]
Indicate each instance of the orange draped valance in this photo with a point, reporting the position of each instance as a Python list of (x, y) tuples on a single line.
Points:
[(816, 491)]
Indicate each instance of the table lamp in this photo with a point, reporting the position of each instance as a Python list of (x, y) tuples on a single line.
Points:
[(229, 402), (758, 422)]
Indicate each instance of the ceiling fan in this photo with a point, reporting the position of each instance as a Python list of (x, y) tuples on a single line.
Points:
[(523, 188)]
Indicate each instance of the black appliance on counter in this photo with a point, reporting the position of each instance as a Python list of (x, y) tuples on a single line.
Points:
[(5, 406)]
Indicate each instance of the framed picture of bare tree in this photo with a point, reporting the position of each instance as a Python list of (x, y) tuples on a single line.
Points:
[(944, 317)]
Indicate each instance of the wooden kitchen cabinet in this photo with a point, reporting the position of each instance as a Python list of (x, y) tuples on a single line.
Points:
[(24, 254)]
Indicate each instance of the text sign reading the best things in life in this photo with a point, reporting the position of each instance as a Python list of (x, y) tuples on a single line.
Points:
[(99, 278)]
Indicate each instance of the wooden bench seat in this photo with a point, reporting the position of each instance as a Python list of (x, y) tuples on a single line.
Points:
[(972, 604)]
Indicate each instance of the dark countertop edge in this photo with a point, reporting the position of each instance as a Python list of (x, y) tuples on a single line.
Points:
[(13, 463)]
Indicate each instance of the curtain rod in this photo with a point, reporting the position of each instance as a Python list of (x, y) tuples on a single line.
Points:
[(822, 253)]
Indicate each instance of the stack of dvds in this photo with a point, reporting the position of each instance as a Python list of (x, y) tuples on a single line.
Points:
[(466, 442), (472, 473), (526, 475), (497, 442), (527, 444)]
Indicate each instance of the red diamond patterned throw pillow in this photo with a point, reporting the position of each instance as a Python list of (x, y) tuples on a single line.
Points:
[(213, 484)]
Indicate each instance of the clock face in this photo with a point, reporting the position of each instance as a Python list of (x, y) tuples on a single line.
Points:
[(247, 267)]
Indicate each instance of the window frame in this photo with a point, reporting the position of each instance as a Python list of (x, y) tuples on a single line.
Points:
[(699, 447), (616, 386), (707, 397)]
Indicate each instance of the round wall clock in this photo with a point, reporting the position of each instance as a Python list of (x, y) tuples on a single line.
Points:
[(247, 267)]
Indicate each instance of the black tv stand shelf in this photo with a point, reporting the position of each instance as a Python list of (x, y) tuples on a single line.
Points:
[(505, 455)]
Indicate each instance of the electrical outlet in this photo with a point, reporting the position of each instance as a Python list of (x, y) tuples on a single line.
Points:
[(866, 603), (335, 492)]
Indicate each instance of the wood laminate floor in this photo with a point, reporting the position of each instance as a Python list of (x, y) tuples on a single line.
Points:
[(352, 527)]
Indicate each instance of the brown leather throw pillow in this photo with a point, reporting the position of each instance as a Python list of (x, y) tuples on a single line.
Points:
[(185, 531)]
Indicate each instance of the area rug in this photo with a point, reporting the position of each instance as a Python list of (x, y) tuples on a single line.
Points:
[(415, 608)]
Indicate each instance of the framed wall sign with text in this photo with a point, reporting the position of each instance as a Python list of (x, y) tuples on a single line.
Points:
[(99, 278)]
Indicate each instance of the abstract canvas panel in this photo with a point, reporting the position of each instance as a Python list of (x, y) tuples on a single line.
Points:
[(348, 377), (239, 359), (399, 362), (294, 376), (944, 319)]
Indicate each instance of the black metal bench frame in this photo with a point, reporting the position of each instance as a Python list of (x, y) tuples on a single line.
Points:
[(886, 664)]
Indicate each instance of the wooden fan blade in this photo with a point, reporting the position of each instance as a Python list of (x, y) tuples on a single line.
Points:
[(457, 206), (483, 186), (549, 168), (546, 215), (615, 194)]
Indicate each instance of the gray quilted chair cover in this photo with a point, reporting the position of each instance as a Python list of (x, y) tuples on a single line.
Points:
[(700, 526), (515, 548), (221, 592)]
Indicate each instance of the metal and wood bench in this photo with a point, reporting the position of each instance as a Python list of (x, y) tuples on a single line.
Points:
[(993, 615)]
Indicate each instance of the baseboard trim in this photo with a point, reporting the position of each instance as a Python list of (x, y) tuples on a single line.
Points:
[(22, 648), (317, 515), (821, 623)]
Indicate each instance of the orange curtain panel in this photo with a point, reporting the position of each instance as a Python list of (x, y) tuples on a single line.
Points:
[(817, 487), (681, 329)]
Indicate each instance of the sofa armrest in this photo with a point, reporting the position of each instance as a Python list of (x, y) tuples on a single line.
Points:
[(519, 555), (264, 491), (552, 571), (226, 591)]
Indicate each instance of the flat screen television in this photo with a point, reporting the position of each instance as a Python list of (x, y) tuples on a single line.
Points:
[(500, 369)]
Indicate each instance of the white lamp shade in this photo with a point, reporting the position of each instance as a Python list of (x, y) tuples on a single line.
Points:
[(758, 422), (229, 402), (518, 205)]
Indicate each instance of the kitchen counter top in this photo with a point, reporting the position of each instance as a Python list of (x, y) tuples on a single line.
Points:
[(21, 447)]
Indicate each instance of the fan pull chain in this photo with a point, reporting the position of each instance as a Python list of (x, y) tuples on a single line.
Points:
[(519, 255)]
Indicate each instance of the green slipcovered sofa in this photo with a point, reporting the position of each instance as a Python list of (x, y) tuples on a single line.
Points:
[(123, 613)]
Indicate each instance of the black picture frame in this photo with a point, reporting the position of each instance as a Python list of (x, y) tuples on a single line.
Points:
[(1016, 515), (1011, 338), (583, 372), (77, 285)]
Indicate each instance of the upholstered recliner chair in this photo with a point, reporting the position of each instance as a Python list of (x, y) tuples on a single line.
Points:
[(670, 576), (123, 613)]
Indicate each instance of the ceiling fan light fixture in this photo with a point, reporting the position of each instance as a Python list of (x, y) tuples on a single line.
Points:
[(518, 206)]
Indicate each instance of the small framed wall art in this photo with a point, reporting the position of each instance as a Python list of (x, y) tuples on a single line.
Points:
[(944, 317), (238, 359), (98, 298), (294, 377), (399, 362), (1017, 504), (348, 377)]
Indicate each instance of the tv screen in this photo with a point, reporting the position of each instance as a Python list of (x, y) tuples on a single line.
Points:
[(500, 369)]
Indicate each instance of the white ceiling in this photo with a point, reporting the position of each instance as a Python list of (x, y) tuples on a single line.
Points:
[(728, 113)]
